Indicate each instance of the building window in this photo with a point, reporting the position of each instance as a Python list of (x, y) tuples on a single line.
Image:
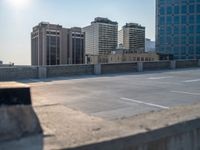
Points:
[(176, 20), (191, 19), (176, 9), (169, 20), (169, 10), (191, 9), (184, 9), (191, 29), (183, 30)]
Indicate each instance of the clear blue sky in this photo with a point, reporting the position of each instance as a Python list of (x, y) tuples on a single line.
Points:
[(17, 17)]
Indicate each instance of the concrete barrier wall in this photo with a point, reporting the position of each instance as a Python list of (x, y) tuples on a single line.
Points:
[(187, 64), (17, 73), (69, 70), (118, 68), (181, 136), (159, 65), (29, 72)]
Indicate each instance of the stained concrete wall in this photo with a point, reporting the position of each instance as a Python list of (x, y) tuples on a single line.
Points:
[(187, 64), (69, 70), (29, 72), (118, 68), (18, 121), (18, 73), (159, 65)]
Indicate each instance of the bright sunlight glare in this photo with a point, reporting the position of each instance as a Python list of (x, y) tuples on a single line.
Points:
[(19, 4)]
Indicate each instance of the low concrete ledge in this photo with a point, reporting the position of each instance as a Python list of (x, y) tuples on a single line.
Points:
[(173, 129), (17, 117), (13, 93), (17, 122), (184, 136)]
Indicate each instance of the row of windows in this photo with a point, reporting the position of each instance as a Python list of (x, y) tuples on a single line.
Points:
[(177, 1), (179, 40), (186, 57), (179, 9), (53, 32), (78, 35), (180, 50), (179, 30), (192, 19)]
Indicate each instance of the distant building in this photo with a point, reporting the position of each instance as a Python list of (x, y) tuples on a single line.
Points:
[(132, 36), (120, 57), (6, 65), (54, 45), (178, 28), (100, 36), (150, 45)]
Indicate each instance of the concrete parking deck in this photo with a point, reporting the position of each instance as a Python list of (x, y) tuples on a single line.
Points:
[(119, 96), (116, 112)]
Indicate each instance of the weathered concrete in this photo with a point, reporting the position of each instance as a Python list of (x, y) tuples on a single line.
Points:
[(140, 66), (18, 121), (30, 72), (42, 72), (173, 64), (12, 93), (199, 62), (18, 73), (33, 142), (69, 70), (184, 136), (118, 68), (186, 64), (97, 69), (177, 128), (159, 65)]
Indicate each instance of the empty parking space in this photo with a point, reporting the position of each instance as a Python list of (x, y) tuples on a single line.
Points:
[(117, 96)]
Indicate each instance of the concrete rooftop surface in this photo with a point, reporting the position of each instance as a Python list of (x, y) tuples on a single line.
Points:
[(77, 111)]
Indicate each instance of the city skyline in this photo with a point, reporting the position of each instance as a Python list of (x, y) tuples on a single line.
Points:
[(21, 17)]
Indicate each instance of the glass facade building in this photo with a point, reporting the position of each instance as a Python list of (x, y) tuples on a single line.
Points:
[(178, 28)]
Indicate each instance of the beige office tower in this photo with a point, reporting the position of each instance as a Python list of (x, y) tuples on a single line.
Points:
[(132, 37), (54, 45), (100, 36)]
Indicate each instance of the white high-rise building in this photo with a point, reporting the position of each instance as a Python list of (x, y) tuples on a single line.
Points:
[(150, 46), (132, 37), (100, 36)]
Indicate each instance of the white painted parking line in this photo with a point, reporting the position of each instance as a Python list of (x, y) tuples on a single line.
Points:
[(158, 78), (140, 102), (189, 81), (183, 92)]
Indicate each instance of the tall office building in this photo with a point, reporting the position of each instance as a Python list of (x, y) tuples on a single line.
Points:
[(178, 28), (100, 36), (54, 45), (132, 37)]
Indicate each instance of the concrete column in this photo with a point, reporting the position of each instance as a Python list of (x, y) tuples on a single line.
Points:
[(199, 62), (42, 72), (97, 69), (140, 66), (173, 64)]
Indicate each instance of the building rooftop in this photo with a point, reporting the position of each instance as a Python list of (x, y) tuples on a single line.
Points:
[(47, 24), (133, 25), (104, 20)]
